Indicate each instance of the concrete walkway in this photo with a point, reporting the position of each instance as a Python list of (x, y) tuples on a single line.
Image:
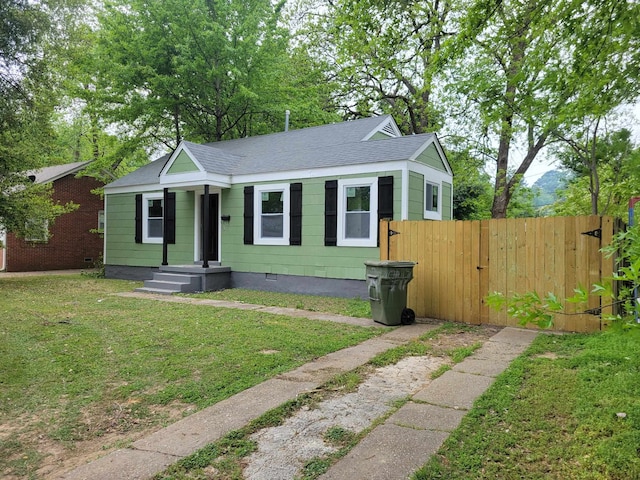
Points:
[(393, 450)]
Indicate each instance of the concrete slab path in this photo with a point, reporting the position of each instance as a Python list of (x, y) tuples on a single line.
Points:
[(393, 450), (406, 440)]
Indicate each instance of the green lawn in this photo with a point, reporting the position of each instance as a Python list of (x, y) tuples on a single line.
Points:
[(314, 303), (78, 363), (568, 409)]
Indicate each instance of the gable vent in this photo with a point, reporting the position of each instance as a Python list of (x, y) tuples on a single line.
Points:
[(388, 129)]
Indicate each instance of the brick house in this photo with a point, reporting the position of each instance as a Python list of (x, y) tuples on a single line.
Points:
[(69, 242)]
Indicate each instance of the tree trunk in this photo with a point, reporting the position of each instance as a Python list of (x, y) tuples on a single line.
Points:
[(502, 193)]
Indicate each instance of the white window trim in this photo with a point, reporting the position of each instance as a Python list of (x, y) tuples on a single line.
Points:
[(432, 214), (145, 216), (372, 183), (101, 221), (257, 214)]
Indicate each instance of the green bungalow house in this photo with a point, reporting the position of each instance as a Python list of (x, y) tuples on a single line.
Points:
[(295, 211)]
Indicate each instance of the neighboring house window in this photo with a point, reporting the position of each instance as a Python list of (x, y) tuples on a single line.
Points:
[(272, 210), (357, 212), (100, 221), (37, 230), (431, 200)]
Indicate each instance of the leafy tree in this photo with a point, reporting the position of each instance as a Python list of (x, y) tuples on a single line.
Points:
[(28, 32), (207, 70), (606, 174), (532, 69), (471, 184), (380, 55)]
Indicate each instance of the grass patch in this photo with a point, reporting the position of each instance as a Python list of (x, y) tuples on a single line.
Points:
[(339, 436), (570, 408), (229, 465), (460, 353), (351, 307), (77, 362)]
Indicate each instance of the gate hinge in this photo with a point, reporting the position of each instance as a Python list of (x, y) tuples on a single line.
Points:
[(597, 233)]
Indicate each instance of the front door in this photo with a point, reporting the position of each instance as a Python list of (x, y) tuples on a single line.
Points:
[(211, 243)]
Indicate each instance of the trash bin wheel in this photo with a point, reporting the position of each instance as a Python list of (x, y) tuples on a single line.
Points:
[(408, 316)]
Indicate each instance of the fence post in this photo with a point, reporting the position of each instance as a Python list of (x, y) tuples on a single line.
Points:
[(384, 239)]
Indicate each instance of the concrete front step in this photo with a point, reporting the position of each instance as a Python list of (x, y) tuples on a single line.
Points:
[(173, 283), (188, 279), (159, 291)]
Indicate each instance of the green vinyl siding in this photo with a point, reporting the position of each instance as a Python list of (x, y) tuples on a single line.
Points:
[(182, 164), (416, 196), (379, 136), (447, 190), (311, 258), (431, 157), (120, 245)]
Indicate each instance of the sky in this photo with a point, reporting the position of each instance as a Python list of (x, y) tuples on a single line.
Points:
[(629, 118)]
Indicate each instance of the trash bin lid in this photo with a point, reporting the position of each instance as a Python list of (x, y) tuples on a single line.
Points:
[(389, 263)]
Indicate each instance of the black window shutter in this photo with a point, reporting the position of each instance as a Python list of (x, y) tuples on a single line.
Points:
[(295, 225), (170, 217), (139, 218), (385, 200), (248, 215), (331, 213)]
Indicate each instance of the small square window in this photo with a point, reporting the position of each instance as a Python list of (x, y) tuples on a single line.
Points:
[(37, 230)]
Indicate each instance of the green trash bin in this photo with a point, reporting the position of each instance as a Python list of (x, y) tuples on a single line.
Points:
[(387, 286)]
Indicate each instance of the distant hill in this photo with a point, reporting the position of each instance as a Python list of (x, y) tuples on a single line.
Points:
[(546, 187)]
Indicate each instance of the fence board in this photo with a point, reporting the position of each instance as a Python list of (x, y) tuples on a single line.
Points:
[(459, 263)]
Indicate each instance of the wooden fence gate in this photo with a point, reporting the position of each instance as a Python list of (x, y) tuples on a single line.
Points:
[(461, 262)]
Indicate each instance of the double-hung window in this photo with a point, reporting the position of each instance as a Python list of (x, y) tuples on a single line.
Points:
[(358, 212), (272, 207), (152, 218)]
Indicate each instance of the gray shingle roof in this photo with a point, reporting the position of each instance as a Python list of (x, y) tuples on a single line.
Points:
[(49, 174), (334, 145)]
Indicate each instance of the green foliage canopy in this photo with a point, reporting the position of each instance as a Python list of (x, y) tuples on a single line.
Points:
[(206, 70), (28, 89)]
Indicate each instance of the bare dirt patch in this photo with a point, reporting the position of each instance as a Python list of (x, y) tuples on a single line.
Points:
[(102, 429)]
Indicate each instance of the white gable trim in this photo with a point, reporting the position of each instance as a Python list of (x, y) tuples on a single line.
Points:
[(433, 140), (195, 179), (181, 148), (387, 127)]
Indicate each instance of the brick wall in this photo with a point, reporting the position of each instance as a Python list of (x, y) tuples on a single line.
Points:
[(71, 243)]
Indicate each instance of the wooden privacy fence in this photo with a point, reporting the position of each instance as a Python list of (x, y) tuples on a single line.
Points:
[(461, 262)]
